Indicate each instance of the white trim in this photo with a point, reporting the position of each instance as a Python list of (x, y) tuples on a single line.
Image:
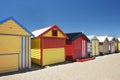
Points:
[(84, 49), (24, 52), (29, 52)]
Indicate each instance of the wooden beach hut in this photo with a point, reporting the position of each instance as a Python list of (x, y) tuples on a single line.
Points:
[(94, 45), (14, 46), (103, 44), (48, 46), (118, 44), (76, 46), (112, 44)]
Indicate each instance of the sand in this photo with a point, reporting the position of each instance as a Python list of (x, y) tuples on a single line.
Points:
[(102, 68)]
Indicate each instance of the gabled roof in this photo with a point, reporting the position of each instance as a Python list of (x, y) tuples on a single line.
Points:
[(101, 38), (11, 18), (110, 38), (118, 38), (74, 36), (42, 31), (90, 37)]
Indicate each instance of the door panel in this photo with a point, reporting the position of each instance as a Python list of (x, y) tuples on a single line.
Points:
[(9, 44), (53, 55), (93, 48), (8, 63), (9, 53), (83, 49), (96, 48)]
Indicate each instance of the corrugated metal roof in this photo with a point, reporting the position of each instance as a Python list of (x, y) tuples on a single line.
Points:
[(101, 38), (41, 31), (118, 38), (74, 36), (90, 36), (110, 38)]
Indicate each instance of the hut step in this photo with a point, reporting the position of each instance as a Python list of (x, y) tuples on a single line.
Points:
[(85, 59)]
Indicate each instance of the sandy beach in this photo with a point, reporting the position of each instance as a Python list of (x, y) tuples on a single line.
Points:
[(102, 68)]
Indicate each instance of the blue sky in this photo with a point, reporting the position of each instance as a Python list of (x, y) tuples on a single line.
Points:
[(99, 17)]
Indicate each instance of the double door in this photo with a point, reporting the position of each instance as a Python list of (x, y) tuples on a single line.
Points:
[(23, 52), (83, 49), (95, 48)]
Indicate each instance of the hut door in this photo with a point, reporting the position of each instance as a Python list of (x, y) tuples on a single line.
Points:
[(93, 47), (96, 48), (83, 49), (23, 52)]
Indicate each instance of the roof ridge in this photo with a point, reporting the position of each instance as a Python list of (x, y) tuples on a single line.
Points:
[(73, 33), (43, 28)]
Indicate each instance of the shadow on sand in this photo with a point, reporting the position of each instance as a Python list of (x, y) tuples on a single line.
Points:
[(34, 67)]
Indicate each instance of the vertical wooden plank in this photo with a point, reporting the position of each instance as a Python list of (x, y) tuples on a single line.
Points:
[(41, 51), (29, 52), (24, 52), (96, 47), (20, 53), (82, 48), (85, 49), (93, 52)]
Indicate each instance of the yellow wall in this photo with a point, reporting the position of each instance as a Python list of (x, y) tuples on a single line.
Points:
[(35, 50), (8, 63), (9, 44), (93, 48), (60, 34), (35, 43), (35, 55), (49, 34), (97, 51), (119, 46), (53, 55), (10, 27)]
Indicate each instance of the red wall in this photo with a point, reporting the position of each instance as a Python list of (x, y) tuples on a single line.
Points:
[(69, 50), (53, 43), (77, 49)]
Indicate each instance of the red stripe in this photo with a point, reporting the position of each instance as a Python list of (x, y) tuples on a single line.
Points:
[(53, 43), (41, 52)]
